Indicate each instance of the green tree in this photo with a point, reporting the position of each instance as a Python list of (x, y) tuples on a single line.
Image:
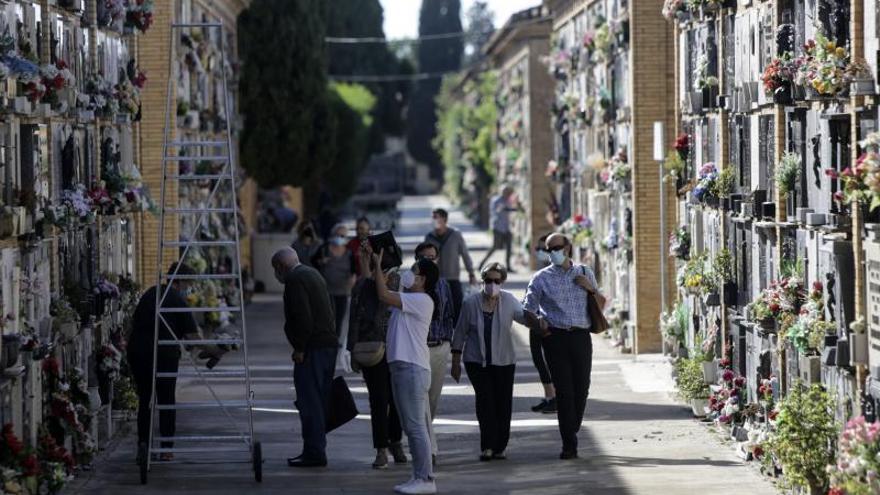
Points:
[(364, 18), (289, 129), (352, 105), (480, 26), (436, 55), (465, 141)]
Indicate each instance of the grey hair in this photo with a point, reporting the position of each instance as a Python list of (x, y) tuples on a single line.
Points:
[(339, 226), (285, 257)]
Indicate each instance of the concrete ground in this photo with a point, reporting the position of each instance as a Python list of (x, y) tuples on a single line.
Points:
[(635, 439)]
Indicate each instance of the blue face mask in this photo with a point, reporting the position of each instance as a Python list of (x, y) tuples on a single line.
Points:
[(542, 256), (557, 257), (340, 241)]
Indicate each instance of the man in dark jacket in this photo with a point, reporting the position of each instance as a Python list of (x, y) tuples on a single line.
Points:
[(309, 324), (140, 353)]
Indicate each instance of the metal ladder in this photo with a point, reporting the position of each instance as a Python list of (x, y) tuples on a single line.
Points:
[(240, 440)]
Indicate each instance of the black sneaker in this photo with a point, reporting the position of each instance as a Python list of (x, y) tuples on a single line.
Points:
[(550, 408), (539, 406), (568, 455)]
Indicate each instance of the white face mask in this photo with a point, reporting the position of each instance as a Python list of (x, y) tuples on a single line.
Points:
[(407, 279), (491, 289), (557, 257), (542, 256)]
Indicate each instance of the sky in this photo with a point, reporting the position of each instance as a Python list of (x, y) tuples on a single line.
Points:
[(402, 16)]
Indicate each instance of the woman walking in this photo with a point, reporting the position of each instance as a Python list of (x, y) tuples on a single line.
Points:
[(336, 264), (367, 330), (484, 340), (408, 358)]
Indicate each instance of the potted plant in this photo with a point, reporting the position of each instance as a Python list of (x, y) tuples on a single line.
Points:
[(724, 184), (858, 342), (707, 348), (65, 318), (691, 386), (804, 437), (823, 69), (788, 171), (722, 267), (675, 169), (673, 325), (862, 81), (680, 243)]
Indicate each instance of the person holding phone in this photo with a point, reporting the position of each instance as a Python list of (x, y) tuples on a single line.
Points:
[(484, 341), (408, 358)]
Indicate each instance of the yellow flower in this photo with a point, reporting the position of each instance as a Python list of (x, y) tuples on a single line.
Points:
[(830, 46), (12, 487), (840, 52)]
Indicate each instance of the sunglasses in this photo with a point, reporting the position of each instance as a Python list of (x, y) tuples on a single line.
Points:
[(492, 281), (555, 248)]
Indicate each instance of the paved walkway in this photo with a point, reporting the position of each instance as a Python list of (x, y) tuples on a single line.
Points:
[(635, 439)]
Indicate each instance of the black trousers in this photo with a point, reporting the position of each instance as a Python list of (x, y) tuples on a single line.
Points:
[(570, 356), (500, 240), (339, 308), (457, 296), (142, 371), (493, 391), (536, 346), (383, 415)]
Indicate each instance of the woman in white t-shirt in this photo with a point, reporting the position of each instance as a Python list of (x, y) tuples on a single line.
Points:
[(407, 354)]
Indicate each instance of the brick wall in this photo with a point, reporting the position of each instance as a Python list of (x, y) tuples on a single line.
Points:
[(651, 83)]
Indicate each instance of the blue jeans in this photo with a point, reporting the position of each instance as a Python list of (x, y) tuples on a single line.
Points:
[(409, 385), (313, 379)]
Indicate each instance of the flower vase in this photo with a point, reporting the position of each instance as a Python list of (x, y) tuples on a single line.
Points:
[(791, 206), (768, 324), (710, 372), (10, 351), (730, 294), (783, 94), (862, 86), (858, 348), (105, 388), (698, 407), (712, 299)]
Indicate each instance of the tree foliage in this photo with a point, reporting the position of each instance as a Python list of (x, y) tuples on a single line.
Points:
[(466, 119), (438, 55), (352, 105), (480, 26), (289, 129)]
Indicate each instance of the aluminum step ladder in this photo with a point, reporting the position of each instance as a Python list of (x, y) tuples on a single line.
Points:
[(205, 448)]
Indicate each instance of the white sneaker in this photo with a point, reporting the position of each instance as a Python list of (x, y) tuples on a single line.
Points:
[(419, 487), (399, 488)]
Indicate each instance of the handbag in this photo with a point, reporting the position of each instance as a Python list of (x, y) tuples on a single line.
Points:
[(368, 354), (598, 323), (340, 406)]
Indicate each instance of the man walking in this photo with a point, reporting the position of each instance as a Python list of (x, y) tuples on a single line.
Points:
[(450, 244), (556, 303), (500, 208), (439, 340), (309, 324)]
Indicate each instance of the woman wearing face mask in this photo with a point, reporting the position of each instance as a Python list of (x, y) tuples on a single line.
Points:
[(336, 264), (408, 358), (484, 341)]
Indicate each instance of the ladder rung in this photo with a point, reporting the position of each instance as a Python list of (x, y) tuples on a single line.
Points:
[(201, 309), (200, 210), (200, 450), (202, 438), (187, 158), (205, 374), (180, 144), (196, 24), (200, 243), (237, 404), (201, 276), (199, 176), (200, 342)]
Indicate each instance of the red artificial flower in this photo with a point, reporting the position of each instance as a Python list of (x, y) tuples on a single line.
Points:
[(758, 452), (578, 219), (817, 285), (15, 445), (836, 491), (739, 381), (830, 172), (30, 466), (725, 363), (838, 196), (682, 143), (50, 366)]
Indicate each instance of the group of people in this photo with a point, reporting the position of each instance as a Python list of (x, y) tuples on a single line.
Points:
[(405, 326)]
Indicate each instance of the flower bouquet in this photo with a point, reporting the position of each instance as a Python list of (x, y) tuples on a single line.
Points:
[(139, 15), (19, 466), (824, 68), (672, 8), (680, 243), (779, 75), (807, 333), (579, 227), (861, 183), (704, 190), (857, 470), (781, 303)]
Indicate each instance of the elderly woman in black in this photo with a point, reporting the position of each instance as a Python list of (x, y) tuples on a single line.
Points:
[(484, 341)]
